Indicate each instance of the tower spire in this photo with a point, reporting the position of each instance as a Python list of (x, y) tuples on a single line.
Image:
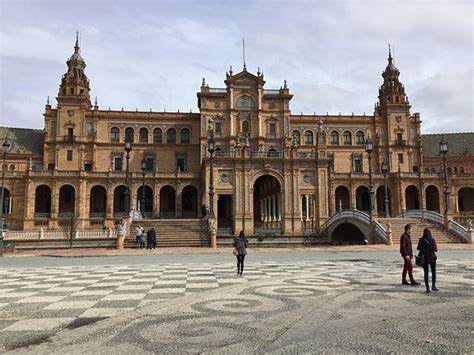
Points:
[(243, 52), (76, 46), (390, 59)]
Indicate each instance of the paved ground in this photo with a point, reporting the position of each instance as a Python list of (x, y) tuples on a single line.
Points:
[(299, 301)]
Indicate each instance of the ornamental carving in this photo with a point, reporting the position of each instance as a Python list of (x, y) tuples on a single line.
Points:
[(225, 177)]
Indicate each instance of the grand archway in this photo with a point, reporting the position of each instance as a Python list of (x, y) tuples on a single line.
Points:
[(148, 208), (466, 199), (381, 200), (432, 198), (411, 198), (98, 202), (167, 202), (267, 204), (347, 233), (67, 199), (342, 198), (189, 202), (42, 201), (363, 199)]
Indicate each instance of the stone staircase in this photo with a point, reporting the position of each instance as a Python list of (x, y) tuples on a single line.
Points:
[(438, 231), (189, 232)]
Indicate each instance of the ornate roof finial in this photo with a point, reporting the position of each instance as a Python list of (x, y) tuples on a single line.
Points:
[(203, 82), (230, 71), (390, 59), (96, 102), (47, 101), (285, 86), (243, 49), (76, 47), (258, 71)]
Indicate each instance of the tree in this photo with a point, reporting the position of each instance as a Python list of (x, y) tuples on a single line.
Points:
[(69, 227)]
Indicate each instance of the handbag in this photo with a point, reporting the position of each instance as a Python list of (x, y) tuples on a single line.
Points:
[(235, 252), (419, 259)]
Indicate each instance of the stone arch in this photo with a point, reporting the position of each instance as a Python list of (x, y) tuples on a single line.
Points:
[(171, 136), (466, 199), (245, 101), (119, 200), (363, 199), (43, 200), (380, 195), (296, 136), (308, 137), (129, 134), (143, 135), (6, 202), (185, 136), (189, 201), (347, 138), (98, 201), (167, 202), (148, 208), (412, 200), (67, 200), (348, 233), (267, 204), (432, 198), (341, 194)]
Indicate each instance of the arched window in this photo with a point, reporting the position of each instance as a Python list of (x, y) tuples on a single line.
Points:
[(157, 136), (171, 136), (360, 139), (322, 138), (308, 138), (245, 101), (143, 135), (129, 133), (334, 138), (347, 138), (295, 135), (245, 126), (184, 135), (115, 135)]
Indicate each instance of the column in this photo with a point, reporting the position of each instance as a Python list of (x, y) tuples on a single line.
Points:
[(307, 207), (262, 210)]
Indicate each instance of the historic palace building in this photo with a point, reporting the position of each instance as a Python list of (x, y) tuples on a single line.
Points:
[(272, 170)]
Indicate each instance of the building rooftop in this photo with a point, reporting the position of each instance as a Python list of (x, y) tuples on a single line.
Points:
[(23, 140), (459, 144)]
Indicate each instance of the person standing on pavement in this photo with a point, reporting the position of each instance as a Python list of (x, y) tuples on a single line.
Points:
[(406, 250), (138, 233), (240, 244), (428, 248), (153, 238), (143, 238), (148, 239)]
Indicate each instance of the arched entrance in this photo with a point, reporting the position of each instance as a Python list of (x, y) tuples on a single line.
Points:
[(189, 202), (6, 201), (67, 198), (363, 199), (167, 202), (432, 198), (381, 200), (119, 201), (412, 202), (466, 199), (347, 233), (342, 198), (267, 204), (225, 220), (148, 208), (98, 202), (42, 201)]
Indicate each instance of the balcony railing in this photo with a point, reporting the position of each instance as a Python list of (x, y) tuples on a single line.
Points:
[(69, 139), (266, 154), (97, 215), (400, 142), (42, 215), (224, 153)]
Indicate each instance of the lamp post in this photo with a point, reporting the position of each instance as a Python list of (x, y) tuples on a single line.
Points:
[(385, 172), (5, 148), (142, 203), (369, 148), (443, 150), (211, 147), (128, 149)]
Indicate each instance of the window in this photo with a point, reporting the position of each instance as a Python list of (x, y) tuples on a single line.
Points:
[(88, 167), (181, 164), (157, 136), (51, 166), (90, 129), (360, 138), (129, 133), (357, 165), (218, 129), (118, 164), (347, 138), (400, 158), (70, 132), (322, 138), (399, 137), (171, 136), (150, 164), (184, 136), (69, 155), (296, 137), (272, 130), (115, 135), (143, 133), (308, 138), (415, 168), (245, 127), (334, 138), (461, 170), (245, 101)]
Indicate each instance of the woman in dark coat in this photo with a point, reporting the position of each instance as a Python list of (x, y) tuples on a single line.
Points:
[(240, 244), (427, 247)]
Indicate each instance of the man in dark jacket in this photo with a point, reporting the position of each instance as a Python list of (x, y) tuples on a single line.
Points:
[(153, 238), (406, 250)]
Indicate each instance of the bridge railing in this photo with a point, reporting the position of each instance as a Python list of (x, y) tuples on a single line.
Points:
[(459, 230), (59, 234)]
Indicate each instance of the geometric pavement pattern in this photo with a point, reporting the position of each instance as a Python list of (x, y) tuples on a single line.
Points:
[(36, 303)]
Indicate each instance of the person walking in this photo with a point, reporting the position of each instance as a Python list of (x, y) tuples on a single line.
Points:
[(148, 239), (428, 248), (138, 233), (143, 238), (406, 250), (153, 238), (240, 244)]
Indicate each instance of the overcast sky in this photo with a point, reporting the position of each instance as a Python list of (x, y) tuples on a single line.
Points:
[(154, 54)]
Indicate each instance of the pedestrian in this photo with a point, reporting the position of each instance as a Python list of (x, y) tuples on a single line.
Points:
[(153, 238), (138, 233), (143, 238), (240, 244), (406, 250), (148, 239), (428, 248)]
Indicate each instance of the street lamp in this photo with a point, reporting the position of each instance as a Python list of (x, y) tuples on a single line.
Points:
[(211, 147), (369, 148), (385, 172), (142, 203), (5, 148), (443, 150), (128, 149)]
